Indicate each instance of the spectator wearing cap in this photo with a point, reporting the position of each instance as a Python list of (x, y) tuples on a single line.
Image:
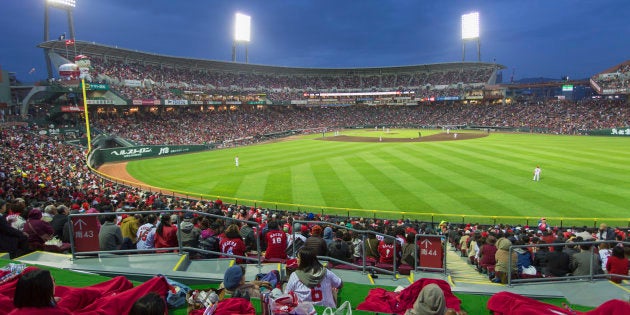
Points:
[(315, 242), (235, 284), (11, 240), (248, 235), (276, 242)]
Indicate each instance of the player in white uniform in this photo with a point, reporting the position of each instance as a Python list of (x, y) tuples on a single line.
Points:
[(236, 161), (537, 173)]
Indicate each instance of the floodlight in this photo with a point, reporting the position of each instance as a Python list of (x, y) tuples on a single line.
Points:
[(242, 27), (63, 3), (470, 25)]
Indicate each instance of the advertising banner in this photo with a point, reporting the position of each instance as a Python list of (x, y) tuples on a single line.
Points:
[(72, 109), (196, 102), (175, 102), (133, 83), (100, 102), (611, 132), (146, 102), (132, 153)]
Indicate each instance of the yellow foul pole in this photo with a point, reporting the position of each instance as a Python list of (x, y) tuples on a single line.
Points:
[(87, 118)]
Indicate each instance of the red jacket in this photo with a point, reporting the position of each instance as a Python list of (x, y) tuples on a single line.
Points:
[(168, 237), (616, 265)]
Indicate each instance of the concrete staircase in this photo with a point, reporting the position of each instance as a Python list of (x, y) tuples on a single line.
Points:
[(461, 271)]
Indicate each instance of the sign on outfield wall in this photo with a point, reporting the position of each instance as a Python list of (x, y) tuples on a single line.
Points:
[(132, 153), (611, 132), (175, 102), (145, 102)]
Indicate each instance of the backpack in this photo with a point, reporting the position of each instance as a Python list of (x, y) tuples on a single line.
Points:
[(210, 243), (299, 243)]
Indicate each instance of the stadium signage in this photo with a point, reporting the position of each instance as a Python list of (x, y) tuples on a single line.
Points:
[(196, 102), (146, 102), (614, 132), (132, 152), (175, 102), (97, 87), (72, 109), (447, 98), (100, 102), (214, 103), (133, 83), (256, 102), (233, 102), (620, 132)]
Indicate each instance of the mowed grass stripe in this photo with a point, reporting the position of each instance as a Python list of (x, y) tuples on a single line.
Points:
[(253, 186), (413, 183), (397, 197), (278, 186), (332, 188), (306, 189), (449, 182), (363, 184)]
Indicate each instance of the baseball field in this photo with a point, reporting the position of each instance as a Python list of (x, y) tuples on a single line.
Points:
[(475, 177)]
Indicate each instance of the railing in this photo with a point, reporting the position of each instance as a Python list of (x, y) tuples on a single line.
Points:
[(589, 277), (180, 248)]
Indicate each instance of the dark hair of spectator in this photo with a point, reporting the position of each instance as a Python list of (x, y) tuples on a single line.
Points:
[(618, 252), (273, 225), (34, 289), (232, 231), (411, 237), (308, 260), (165, 220), (150, 304)]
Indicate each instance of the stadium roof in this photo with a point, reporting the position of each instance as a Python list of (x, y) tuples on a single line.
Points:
[(93, 49)]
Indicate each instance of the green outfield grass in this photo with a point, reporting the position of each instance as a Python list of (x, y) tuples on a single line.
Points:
[(470, 180)]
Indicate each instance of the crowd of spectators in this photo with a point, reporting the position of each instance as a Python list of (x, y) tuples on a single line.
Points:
[(616, 79), (42, 180), (220, 125), (136, 80)]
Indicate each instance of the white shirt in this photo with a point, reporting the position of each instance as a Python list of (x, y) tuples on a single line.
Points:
[(146, 236), (321, 294)]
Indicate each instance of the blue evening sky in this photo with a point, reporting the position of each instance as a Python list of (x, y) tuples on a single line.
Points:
[(533, 38)]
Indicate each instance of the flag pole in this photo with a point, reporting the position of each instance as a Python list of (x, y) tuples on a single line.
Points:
[(87, 118)]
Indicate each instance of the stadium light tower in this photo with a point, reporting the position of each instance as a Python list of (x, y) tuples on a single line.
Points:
[(66, 5), (242, 33), (470, 32)]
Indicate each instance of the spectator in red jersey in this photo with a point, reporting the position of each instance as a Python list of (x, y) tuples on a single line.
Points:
[(617, 264), (387, 249), (233, 244), (166, 233), (276, 242)]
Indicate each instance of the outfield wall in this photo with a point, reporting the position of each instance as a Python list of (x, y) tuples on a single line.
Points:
[(102, 156)]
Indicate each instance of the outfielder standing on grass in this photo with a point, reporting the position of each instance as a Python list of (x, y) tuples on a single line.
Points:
[(537, 173), (236, 161)]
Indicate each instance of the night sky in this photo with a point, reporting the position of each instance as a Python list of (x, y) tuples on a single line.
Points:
[(533, 38)]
